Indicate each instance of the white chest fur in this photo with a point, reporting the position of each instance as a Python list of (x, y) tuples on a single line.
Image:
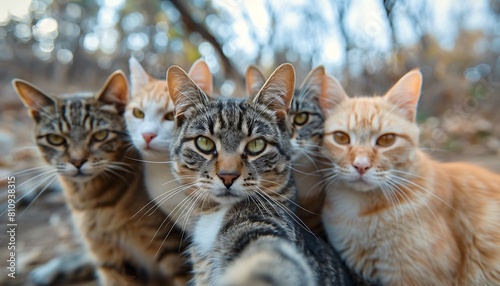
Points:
[(206, 230)]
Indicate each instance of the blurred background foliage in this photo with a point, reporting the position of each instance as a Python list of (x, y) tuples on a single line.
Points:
[(65, 46)]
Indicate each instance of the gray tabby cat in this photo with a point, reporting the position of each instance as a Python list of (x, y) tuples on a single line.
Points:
[(306, 120), (83, 137), (235, 154)]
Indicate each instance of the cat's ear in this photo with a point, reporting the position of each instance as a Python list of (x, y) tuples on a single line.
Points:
[(115, 91), (138, 76), (312, 86), (277, 92), (405, 94), (254, 80), (332, 95), (32, 97), (201, 75), (184, 92)]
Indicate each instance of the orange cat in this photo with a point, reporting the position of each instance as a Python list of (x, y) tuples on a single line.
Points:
[(396, 216)]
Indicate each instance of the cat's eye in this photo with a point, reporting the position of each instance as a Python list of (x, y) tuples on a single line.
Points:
[(301, 118), (55, 139), (256, 146), (138, 113), (386, 140), (341, 138), (204, 144), (169, 116), (100, 135)]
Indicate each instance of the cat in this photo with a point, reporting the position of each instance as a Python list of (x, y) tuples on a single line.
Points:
[(150, 123), (306, 120), (396, 216), (234, 155), (82, 136)]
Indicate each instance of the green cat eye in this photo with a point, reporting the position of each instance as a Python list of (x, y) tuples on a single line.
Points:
[(138, 113), (169, 116), (386, 140), (256, 146), (341, 138), (55, 139), (100, 135), (301, 118), (204, 144)]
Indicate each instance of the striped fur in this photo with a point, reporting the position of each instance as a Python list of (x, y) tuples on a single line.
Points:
[(306, 121), (245, 233), (396, 216), (102, 182)]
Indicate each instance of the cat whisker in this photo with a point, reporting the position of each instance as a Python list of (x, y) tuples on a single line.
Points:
[(108, 168), (413, 206), (178, 179), (50, 171), (31, 170), (152, 162), (291, 201), (401, 179), (415, 176), (156, 202), (292, 215), (51, 180), (167, 195)]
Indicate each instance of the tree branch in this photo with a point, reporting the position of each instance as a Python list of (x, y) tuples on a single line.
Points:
[(193, 26)]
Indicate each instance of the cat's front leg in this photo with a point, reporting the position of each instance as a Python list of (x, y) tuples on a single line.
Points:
[(65, 269), (110, 276)]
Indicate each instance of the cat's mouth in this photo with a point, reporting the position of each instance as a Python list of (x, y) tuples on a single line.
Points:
[(226, 193), (226, 196)]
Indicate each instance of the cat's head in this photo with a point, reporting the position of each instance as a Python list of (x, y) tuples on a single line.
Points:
[(150, 112), (305, 116), (372, 140), (226, 149), (79, 135)]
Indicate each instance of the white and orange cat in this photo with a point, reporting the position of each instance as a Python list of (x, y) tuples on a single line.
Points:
[(396, 216), (150, 123)]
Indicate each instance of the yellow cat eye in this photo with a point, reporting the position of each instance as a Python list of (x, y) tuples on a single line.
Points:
[(55, 139), (386, 140), (169, 116), (301, 118), (256, 146), (138, 113), (100, 135), (204, 144), (341, 138)]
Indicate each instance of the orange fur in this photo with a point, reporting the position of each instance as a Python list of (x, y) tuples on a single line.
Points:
[(406, 220)]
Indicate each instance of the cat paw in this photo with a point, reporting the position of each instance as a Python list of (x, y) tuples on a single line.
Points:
[(46, 274), (63, 270)]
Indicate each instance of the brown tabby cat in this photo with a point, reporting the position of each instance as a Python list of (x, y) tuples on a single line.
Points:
[(83, 137), (396, 216)]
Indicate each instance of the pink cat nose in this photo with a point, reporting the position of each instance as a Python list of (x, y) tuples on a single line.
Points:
[(361, 164), (148, 137), (362, 168)]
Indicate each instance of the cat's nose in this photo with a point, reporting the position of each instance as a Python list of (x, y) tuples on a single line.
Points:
[(78, 163), (361, 164), (148, 137), (228, 178)]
